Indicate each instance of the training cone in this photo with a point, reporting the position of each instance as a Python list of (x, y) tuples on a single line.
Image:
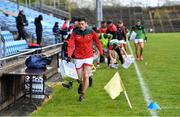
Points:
[(154, 106)]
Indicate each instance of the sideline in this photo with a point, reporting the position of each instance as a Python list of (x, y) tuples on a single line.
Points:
[(143, 85)]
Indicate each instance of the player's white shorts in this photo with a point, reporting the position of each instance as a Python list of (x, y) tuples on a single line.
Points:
[(138, 40), (79, 63), (122, 41)]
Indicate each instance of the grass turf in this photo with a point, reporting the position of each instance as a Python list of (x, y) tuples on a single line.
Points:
[(159, 70)]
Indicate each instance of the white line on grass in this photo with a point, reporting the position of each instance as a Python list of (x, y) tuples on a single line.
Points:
[(144, 88)]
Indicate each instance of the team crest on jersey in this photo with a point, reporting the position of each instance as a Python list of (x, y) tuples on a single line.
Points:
[(88, 37), (78, 37)]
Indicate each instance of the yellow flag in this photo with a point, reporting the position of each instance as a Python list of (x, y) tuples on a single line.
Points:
[(114, 86)]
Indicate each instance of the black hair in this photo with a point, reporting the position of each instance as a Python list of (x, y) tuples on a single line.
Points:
[(82, 18), (75, 18), (40, 17), (20, 12), (109, 22), (56, 24), (102, 22)]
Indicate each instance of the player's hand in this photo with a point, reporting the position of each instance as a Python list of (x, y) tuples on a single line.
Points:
[(102, 59), (68, 59)]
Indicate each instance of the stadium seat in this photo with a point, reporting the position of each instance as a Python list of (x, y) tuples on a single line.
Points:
[(7, 36), (9, 22), (12, 47)]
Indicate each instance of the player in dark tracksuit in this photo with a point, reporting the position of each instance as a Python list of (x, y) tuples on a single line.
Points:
[(20, 23), (39, 28), (121, 33)]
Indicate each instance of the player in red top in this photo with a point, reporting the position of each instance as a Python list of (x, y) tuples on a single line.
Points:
[(111, 28), (81, 43), (103, 27)]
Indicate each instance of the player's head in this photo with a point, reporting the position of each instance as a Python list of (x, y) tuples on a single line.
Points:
[(40, 17), (21, 12), (82, 23), (109, 22), (103, 24), (138, 22), (75, 21), (120, 23), (56, 24)]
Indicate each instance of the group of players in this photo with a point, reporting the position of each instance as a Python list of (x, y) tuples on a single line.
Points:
[(110, 41)]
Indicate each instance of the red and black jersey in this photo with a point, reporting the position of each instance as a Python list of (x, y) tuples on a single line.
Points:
[(112, 30), (121, 33), (81, 43)]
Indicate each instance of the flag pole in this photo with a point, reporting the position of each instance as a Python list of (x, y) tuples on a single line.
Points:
[(125, 93), (127, 98)]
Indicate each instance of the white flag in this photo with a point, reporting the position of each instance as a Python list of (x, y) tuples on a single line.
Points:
[(114, 86)]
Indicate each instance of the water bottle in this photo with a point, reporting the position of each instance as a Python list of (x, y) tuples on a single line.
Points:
[(38, 83), (27, 79), (37, 93)]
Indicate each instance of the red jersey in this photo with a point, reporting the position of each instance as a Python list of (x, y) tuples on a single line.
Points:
[(64, 26), (81, 43), (102, 30), (112, 28)]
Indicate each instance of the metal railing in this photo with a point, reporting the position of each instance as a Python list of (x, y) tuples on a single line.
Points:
[(30, 51), (20, 54), (50, 46)]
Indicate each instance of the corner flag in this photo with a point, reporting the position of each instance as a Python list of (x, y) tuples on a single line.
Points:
[(114, 86)]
